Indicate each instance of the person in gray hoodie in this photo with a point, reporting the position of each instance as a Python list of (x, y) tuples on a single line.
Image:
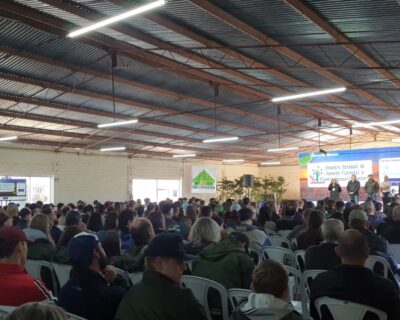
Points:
[(269, 294)]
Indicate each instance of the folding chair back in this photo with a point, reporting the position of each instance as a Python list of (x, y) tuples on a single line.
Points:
[(43, 270), (297, 289), (5, 311), (378, 265), (294, 244), (278, 241), (62, 272), (394, 249), (238, 297), (284, 233), (340, 309), (135, 277), (279, 254), (200, 288), (299, 255), (124, 275)]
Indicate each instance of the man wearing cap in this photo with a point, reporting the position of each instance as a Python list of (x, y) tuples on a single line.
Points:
[(358, 220), (16, 286), (91, 292), (158, 295)]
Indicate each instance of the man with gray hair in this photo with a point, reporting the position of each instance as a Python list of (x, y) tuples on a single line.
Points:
[(323, 256), (392, 231), (358, 220)]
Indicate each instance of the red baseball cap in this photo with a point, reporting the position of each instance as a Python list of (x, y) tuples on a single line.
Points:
[(12, 235)]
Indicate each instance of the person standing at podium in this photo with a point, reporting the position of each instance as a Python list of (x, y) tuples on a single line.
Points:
[(334, 189)]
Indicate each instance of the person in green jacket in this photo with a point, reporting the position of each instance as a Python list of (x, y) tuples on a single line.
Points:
[(371, 188), (159, 296), (41, 245), (133, 260), (226, 262)]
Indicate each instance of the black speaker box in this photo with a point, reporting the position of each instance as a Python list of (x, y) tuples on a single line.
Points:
[(248, 181)]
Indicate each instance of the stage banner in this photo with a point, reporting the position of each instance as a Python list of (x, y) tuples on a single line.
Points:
[(318, 169), (204, 179)]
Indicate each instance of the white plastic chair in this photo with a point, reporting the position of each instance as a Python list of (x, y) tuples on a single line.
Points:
[(5, 311), (124, 275), (238, 297), (284, 233), (278, 241), (200, 287), (35, 267), (62, 272), (394, 249), (294, 244), (300, 260), (341, 309), (135, 277), (269, 232), (255, 256), (297, 290), (373, 261), (308, 277), (282, 255)]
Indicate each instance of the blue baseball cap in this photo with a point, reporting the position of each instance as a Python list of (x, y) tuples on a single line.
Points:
[(167, 245), (80, 248)]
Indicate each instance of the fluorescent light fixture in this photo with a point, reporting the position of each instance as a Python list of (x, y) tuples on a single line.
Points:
[(117, 18), (371, 124), (308, 94), (8, 138), (270, 163), (113, 149), (220, 139), (282, 149), (117, 123), (233, 160), (191, 155), (396, 140)]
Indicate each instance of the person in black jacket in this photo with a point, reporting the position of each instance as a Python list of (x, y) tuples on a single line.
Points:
[(91, 292), (392, 231), (323, 256), (351, 281)]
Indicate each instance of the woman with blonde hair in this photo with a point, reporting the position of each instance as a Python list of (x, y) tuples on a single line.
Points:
[(41, 246), (204, 232)]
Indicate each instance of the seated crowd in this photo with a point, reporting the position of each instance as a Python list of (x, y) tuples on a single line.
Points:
[(162, 239)]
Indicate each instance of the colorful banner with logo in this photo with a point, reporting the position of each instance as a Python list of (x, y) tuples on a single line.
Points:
[(317, 170), (204, 179)]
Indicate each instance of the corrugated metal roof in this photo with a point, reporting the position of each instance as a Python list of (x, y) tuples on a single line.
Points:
[(359, 20)]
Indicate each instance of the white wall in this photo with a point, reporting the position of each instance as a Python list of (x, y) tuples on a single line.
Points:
[(291, 175), (90, 177)]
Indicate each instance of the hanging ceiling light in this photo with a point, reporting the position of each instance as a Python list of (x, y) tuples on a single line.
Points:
[(308, 94), (117, 18), (232, 160), (190, 155), (220, 139), (270, 163), (8, 138), (282, 149), (372, 124), (117, 123), (113, 149)]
